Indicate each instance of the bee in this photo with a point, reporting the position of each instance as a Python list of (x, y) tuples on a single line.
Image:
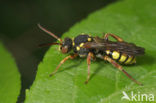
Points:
[(115, 52)]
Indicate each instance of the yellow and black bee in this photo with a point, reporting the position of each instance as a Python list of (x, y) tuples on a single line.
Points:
[(119, 51), (85, 45)]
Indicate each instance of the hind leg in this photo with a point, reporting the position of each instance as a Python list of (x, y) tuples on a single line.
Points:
[(115, 64), (112, 35)]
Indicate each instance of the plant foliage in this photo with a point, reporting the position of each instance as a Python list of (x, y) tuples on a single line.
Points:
[(134, 21), (9, 77)]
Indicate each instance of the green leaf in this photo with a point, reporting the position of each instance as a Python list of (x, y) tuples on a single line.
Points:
[(9, 78), (134, 21)]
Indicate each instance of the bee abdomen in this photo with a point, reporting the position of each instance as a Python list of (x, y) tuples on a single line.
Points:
[(121, 57)]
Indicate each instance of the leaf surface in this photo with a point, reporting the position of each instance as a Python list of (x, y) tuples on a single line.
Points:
[(134, 21), (9, 77)]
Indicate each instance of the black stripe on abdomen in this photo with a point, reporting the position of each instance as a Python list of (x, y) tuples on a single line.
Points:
[(126, 59), (119, 57)]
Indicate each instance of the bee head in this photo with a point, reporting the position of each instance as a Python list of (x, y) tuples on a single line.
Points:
[(66, 45)]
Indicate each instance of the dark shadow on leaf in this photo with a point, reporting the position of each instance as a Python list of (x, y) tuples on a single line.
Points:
[(145, 60), (101, 64)]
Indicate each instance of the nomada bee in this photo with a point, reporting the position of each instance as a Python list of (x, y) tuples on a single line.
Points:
[(85, 45)]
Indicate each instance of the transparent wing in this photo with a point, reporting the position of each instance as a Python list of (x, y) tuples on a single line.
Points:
[(123, 47)]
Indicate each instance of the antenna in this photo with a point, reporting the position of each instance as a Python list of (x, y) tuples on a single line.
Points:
[(48, 32)]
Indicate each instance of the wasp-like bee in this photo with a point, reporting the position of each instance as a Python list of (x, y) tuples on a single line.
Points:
[(85, 45)]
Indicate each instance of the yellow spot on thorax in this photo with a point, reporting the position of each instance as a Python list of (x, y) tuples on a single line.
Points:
[(81, 45), (77, 48), (115, 55), (89, 39)]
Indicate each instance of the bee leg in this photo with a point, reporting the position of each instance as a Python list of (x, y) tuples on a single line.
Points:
[(114, 36), (66, 58), (90, 55), (121, 69)]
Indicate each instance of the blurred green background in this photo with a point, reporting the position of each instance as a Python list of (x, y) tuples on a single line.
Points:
[(21, 36)]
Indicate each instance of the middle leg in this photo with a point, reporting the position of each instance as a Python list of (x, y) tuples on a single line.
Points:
[(89, 57)]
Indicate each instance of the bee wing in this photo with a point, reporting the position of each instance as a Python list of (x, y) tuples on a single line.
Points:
[(123, 47)]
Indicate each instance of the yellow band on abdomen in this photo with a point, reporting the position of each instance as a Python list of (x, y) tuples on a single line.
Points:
[(123, 58), (115, 55), (128, 61)]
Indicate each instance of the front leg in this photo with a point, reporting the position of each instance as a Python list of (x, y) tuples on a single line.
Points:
[(65, 59)]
